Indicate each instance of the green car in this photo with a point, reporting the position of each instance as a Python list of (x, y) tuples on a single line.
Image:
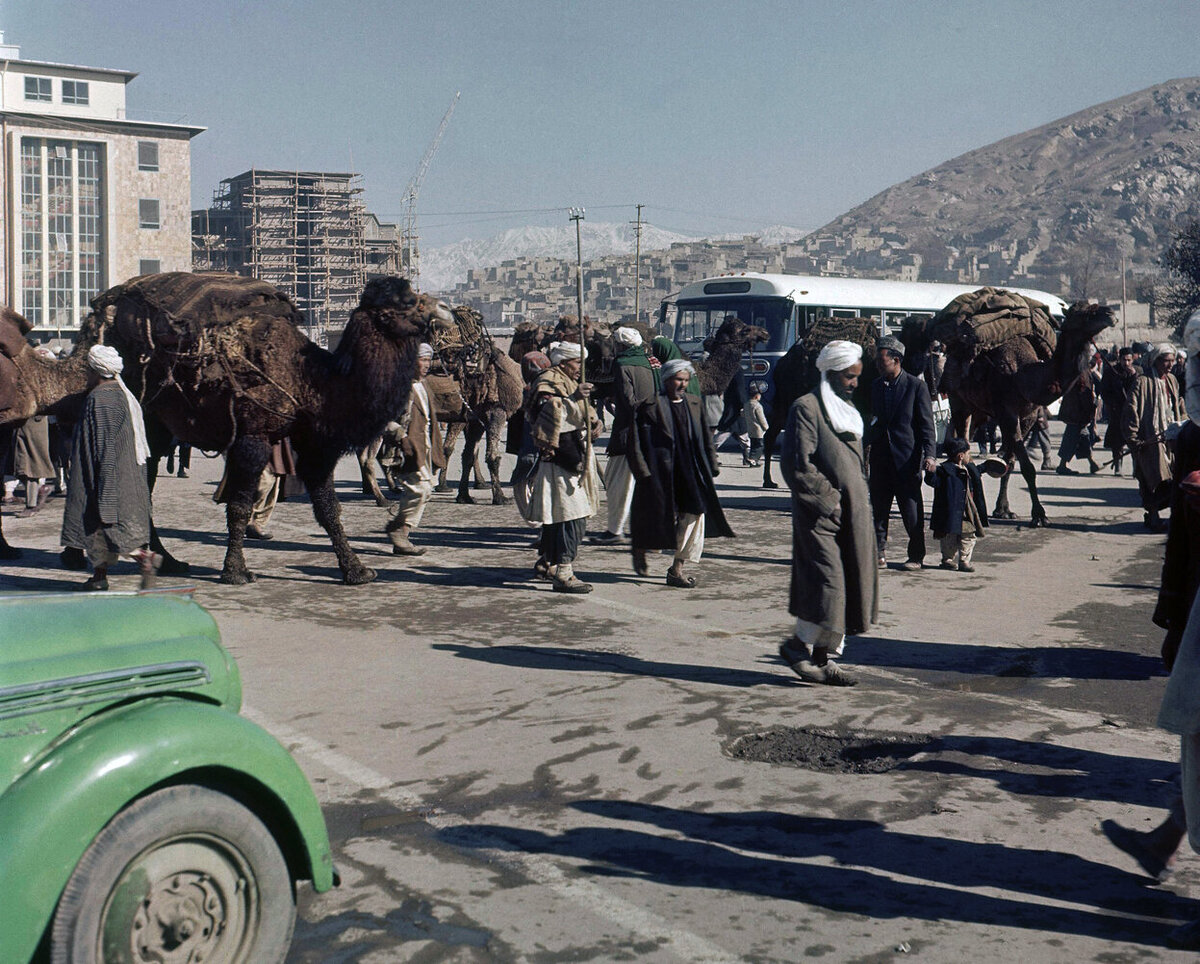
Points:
[(141, 818)]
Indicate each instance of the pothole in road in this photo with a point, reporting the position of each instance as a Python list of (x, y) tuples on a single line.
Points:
[(845, 751)]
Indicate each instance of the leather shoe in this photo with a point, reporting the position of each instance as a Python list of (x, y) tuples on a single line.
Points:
[(95, 585), (963, 567), (254, 532), (408, 550), (640, 565), (573, 585), (1065, 470), (681, 582)]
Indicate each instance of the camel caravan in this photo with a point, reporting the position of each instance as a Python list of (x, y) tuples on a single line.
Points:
[(221, 362)]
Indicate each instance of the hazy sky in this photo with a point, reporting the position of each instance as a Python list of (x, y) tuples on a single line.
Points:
[(718, 116)]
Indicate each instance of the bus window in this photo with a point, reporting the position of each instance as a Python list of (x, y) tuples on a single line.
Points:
[(691, 328), (843, 313)]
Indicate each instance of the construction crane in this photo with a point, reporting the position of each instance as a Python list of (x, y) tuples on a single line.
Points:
[(408, 233)]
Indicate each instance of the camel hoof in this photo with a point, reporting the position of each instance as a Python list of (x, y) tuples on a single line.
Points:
[(359, 577), (73, 558), (173, 567), (235, 577), (1040, 522), (501, 500), (768, 484), (463, 499), (1005, 515)]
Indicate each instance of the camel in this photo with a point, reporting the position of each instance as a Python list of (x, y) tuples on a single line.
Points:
[(1010, 380), (220, 361), (32, 385), (796, 374)]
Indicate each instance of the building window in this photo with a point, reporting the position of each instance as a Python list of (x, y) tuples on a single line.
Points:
[(75, 92), (149, 266), (38, 88), (148, 214), (147, 155), (61, 224)]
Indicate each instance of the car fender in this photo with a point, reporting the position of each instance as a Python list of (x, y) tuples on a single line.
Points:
[(50, 816)]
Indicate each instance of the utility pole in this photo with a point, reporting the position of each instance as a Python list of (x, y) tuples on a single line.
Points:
[(1124, 327), (576, 215), (637, 265)]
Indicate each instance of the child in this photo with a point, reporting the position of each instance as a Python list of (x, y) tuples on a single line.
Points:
[(757, 423), (959, 512)]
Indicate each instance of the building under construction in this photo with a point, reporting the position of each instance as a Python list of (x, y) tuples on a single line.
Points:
[(301, 231)]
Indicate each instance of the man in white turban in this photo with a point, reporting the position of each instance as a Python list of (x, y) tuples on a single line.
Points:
[(834, 583), (1155, 405), (416, 441), (107, 514), (564, 493)]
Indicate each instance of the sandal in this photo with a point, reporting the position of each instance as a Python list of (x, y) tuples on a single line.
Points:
[(681, 582)]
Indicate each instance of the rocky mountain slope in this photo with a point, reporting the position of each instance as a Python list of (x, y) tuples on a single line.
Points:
[(1114, 180)]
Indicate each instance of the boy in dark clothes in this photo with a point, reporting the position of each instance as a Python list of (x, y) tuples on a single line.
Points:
[(959, 512)]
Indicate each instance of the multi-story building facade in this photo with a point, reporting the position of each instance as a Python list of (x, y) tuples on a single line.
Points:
[(91, 196), (302, 231)]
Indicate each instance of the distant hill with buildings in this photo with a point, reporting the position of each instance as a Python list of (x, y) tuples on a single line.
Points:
[(1062, 207), (1057, 207)]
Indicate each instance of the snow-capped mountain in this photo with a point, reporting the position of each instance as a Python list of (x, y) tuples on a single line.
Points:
[(444, 267)]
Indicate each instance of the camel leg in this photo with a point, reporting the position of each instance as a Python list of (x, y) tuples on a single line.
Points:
[(1029, 471), (245, 461), (452, 430), (495, 425), (159, 440), (471, 437), (316, 471), (366, 467)]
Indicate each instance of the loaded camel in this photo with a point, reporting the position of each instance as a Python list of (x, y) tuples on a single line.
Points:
[(1010, 380), (219, 361)]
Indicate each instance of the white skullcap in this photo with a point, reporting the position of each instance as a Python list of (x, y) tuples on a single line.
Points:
[(424, 350), (675, 366), (561, 351), (105, 360), (838, 356), (627, 336), (1162, 348)]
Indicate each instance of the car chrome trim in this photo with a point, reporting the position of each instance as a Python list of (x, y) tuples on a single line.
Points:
[(72, 691)]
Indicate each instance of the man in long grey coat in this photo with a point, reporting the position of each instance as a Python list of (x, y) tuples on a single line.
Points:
[(834, 586), (108, 502)]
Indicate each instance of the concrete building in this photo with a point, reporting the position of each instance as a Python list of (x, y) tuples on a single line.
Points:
[(91, 196), (301, 231)]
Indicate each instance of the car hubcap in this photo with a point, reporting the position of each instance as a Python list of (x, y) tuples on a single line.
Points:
[(190, 900)]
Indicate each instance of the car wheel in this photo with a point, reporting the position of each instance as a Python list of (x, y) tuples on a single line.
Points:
[(183, 874)]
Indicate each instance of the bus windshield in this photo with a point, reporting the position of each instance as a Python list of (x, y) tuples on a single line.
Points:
[(696, 320)]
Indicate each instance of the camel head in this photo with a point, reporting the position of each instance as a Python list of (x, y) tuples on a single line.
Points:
[(734, 331), (398, 311)]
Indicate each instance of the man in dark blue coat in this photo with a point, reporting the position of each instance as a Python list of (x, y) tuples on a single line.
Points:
[(902, 443)]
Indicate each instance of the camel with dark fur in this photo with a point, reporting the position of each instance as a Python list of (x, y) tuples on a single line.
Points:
[(1010, 381), (219, 361)]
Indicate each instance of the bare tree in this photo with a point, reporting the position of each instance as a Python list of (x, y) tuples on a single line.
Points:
[(1180, 295)]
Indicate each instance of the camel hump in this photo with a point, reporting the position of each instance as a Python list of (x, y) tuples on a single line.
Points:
[(178, 306), (981, 320)]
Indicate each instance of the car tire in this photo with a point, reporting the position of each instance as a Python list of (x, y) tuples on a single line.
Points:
[(182, 866)]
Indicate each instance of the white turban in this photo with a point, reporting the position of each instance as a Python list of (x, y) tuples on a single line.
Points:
[(561, 351), (630, 337), (675, 366), (838, 356), (424, 350), (105, 360)]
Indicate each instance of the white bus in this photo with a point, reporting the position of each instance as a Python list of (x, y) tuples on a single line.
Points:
[(787, 305)]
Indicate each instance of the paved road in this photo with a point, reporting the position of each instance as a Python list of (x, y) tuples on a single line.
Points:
[(511, 774)]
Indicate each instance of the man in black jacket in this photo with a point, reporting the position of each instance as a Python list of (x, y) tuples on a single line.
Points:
[(902, 442)]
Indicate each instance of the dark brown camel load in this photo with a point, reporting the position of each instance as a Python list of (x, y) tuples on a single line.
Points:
[(979, 321)]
